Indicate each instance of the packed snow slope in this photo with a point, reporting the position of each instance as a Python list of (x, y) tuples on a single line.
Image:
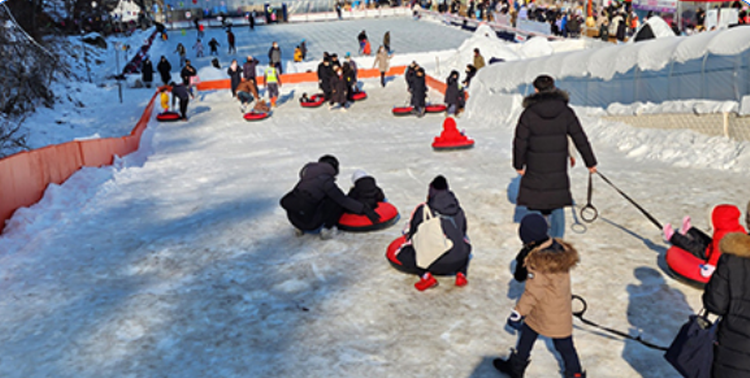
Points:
[(178, 261)]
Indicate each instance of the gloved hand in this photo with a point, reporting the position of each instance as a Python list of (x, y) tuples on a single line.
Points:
[(515, 320), (371, 214)]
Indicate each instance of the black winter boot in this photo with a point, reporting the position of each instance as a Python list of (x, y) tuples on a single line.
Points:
[(569, 374), (514, 366)]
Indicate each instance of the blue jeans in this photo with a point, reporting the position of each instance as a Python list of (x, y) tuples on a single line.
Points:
[(564, 346), (244, 97), (556, 220)]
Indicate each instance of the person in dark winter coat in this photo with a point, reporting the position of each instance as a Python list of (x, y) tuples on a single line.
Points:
[(387, 41), (365, 189), (452, 92), (350, 79), (622, 28), (540, 149), (274, 57), (411, 72), (230, 41), (147, 72), (165, 70), (316, 201), (249, 69), (442, 203), (338, 88), (214, 45), (419, 92), (182, 93), (533, 232), (727, 294), (235, 76), (187, 73), (303, 49), (545, 308), (325, 75), (470, 72)]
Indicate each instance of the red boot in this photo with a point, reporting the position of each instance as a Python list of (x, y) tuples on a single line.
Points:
[(427, 281), (461, 280)]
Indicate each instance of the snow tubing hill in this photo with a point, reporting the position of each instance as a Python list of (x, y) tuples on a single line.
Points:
[(168, 117), (452, 145), (360, 223), (315, 101), (390, 252), (686, 265), (253, 116), (359, 96)]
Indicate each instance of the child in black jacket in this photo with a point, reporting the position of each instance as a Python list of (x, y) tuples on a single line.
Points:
[(365, 189), (532, 232)]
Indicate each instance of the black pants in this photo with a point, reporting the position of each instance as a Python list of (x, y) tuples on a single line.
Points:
[(408, 258), (382, 79), (184, 107), (694, 241), (278, 67), (564, 346), (327, 215)]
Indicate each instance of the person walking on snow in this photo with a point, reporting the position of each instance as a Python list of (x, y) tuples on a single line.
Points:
[(382, 61), (214, 45), (182, 52), (387, 41), (198, 47), (540, 152), (165, 70), (325, 74), (230, 41), (147, 72), (235, 76), (249, 69), (274, 56), (419, 92), (273, 83)]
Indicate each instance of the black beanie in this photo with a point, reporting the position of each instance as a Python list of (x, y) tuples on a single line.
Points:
[(331, 160), (533, 229), (439, 183)]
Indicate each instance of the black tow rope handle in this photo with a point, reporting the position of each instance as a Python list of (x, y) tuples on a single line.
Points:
[(589, 212)]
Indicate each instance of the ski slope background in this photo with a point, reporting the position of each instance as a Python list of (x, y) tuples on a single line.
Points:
[(178, 260)]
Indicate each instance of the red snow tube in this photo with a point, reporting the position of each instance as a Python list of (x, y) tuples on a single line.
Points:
[(168, 117), (452, 144), (390, 252), (253, 116), (315, 101), (435, 108), (686, 266), (359, 96), (400, 111), (360, 223)]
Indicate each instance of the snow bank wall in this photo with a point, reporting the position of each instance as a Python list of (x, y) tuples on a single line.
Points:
[(25, 176), (709, 66)]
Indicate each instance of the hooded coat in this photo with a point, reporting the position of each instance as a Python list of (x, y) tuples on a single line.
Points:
[(725, 219), (418, 91), (325, 73), (147, 71), (443, 203), (728, 294), (339, 89), (165, 70), (545, 302), (541, 147), (249, 68), (235, 77), (451, 90), (317, 182), (366, 190)]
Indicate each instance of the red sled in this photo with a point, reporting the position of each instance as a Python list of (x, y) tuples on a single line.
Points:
[(393, 248), (315, 101), (168, 117), (453, 145), (439, 108), (360, 223), (359, 96), (686, 266), (253, 116), (401, 111)]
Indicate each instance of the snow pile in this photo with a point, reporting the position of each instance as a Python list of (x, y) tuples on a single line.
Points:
[(659, 27), (696, 107), (605, 62), (489, 45)]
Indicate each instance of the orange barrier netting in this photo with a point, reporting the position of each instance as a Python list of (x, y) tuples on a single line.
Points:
[(25, 176)]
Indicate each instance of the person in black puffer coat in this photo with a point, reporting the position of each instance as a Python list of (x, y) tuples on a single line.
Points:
[(325, 74), (419, 92), (443, 203), (727, 294), (147, 72), (452, 92), (235, 76), (338, 89), (317, 202), (365, 189), (540, 148), (165, 70)]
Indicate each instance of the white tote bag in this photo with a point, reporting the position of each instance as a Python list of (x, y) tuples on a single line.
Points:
[(429, 241)]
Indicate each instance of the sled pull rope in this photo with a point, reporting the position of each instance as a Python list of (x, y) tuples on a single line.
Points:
[(589, 212), (579, 315), (641, 209)]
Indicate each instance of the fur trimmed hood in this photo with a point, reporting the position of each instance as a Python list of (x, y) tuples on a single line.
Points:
[(736, 243), (555, 94), (552, 256)]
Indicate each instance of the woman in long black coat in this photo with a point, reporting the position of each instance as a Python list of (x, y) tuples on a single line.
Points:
[(165, 70), (338, 85), (147, 72), (235, 76), (728, 295), (419, 92), (451, 92)]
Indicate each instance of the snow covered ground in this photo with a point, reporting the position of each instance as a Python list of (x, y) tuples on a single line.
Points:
[(178, 261)]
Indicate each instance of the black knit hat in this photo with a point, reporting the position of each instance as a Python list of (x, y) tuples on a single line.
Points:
[(331, 160), (439, 183), (533, 229)]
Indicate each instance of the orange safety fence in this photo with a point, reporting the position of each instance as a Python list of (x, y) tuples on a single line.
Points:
[(25, 176)]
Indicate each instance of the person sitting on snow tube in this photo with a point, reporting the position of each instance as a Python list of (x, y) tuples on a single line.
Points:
[(724, 218), (365, 189), (442, 203), (316, 202)]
